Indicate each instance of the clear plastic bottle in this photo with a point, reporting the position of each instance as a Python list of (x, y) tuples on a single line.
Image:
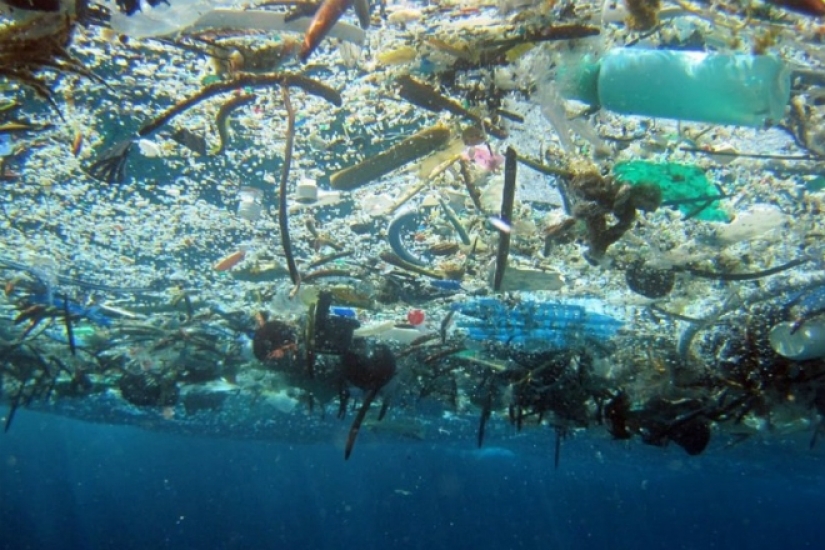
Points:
[(740, 89)]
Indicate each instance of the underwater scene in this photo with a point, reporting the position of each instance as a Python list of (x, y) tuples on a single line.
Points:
[(400, 273)]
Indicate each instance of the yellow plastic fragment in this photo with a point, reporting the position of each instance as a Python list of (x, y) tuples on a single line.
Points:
[(414, 147), (397, 56)]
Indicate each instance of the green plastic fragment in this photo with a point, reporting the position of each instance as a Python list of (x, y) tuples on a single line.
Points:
[(210, 79), (814, 185), (677, 182)]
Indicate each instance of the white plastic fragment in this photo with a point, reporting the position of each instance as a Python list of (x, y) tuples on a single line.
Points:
[(149, 148), (753, 222), (799, 344), (270, 21)]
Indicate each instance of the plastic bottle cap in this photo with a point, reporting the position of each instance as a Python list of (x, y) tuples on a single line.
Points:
[(307, 191)]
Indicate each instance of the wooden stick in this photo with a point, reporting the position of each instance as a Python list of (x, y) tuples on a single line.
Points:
[(507, 202), (67, 320), (283, 214)]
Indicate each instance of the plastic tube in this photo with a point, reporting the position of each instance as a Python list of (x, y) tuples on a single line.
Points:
[(808, 342), (740, 89)]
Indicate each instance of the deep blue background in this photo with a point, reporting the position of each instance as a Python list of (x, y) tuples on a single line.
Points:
[(67, 484)]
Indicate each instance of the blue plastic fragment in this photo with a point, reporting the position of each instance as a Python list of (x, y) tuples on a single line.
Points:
[(446, 285), (347, 312), (6, 147), (426, 66), (93, 313), (811, 300), (533, 323)]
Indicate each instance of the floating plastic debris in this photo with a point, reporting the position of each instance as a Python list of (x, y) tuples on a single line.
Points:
[(249, 203), (5, 145), (415, 317), (500, 224), (534, 324), (446, 285), (92, 314), (808, 342), (680, 183), (143, 250), (749, 90)]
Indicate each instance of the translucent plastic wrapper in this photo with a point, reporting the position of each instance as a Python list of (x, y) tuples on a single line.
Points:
[(198, 15), (162, 19), (249, 203), (799, 343)]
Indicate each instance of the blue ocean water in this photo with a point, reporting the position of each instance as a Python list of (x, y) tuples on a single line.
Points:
[(66, 484)]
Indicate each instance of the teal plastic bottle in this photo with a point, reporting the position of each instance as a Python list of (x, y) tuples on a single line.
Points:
[(740, 89)]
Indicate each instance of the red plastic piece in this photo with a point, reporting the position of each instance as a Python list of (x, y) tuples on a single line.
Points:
[(415, 317)]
